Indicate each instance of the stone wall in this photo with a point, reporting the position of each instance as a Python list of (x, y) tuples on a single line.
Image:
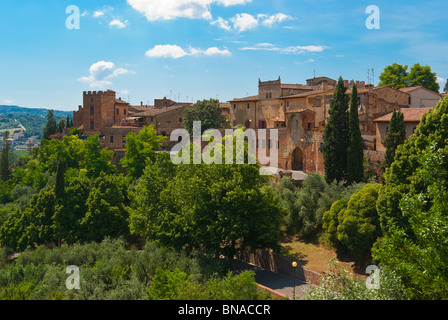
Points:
[(276, 263)]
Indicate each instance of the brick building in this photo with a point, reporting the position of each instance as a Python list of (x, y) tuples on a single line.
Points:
[(111, 118), (100, 109), (300, 112)]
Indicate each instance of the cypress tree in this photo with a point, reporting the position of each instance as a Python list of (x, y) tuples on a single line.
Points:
[(60, 180), (336, 135), (355, 156), (51, 126), (5, 172), (396, 135)]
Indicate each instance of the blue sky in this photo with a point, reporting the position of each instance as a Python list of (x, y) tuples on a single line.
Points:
[(200, 49)]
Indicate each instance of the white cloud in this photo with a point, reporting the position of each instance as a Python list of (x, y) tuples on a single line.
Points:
[(221, 23), (98, 14), (7, 101), (173, 9), (101, 74), (118, 24), (176, 52), (285, 50), (441, 82), (271, 20), (244, 21)]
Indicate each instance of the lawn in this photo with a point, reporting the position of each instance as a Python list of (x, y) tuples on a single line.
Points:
[(315, 257)]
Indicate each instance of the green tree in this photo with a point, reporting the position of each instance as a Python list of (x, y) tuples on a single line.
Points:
[(359, 225), (394, 76), (218, 208), (336, 135), (397, 76), (106, 215), (141, 150), (355, 153), (396, 135), (208, 112), (423, 76), (445, 89), (51, 126), (5, 156), (60, 180), (62, 125), (96, 160), (67, 220), (412, 208), (418, 250)]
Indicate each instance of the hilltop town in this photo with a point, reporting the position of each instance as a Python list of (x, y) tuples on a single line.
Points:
[(298, 111)]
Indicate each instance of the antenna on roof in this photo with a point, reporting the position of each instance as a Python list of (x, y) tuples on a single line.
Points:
[(314, 73), (368, 75), (373, 76)]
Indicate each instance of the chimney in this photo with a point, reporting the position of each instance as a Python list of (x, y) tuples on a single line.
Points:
[(324, 85), (141, 103)]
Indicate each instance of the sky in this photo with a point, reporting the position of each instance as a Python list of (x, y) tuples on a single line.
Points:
[(190, 50)]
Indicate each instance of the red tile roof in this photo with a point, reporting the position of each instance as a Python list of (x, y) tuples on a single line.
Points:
[(409, 115)]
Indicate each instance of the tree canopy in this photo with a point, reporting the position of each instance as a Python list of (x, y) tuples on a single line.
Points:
[(208, 112), (397, 76)]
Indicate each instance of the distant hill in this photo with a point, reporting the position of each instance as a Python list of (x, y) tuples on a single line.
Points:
[(15, 110), (33, 119)]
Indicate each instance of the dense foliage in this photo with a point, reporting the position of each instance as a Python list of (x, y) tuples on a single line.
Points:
[(413, 211), (111, 270), (208, 112), (397, 76)]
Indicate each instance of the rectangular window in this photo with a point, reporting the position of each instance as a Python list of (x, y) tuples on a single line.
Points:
[(92, 110), (180, 120), (111, 139), (248, 105), (92, 125), (124, 111), (152, 119), (118, 112), (262, 124), (310, 125), (234, 107)]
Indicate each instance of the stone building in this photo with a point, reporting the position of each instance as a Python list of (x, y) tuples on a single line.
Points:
[(412, 118), (300, 112), (420, 97)]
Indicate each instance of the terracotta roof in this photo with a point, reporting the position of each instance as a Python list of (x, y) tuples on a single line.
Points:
[(250, 98), (299, 111), (305, 94), (121, 101), (409, 115), (296, 86), (410, 89), (140, 108), (153, 111)]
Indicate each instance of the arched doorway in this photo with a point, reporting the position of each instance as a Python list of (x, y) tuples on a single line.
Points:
[(297, 160)]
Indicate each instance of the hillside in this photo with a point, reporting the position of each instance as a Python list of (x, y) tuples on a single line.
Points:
[(12, 118), (15, 110)]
